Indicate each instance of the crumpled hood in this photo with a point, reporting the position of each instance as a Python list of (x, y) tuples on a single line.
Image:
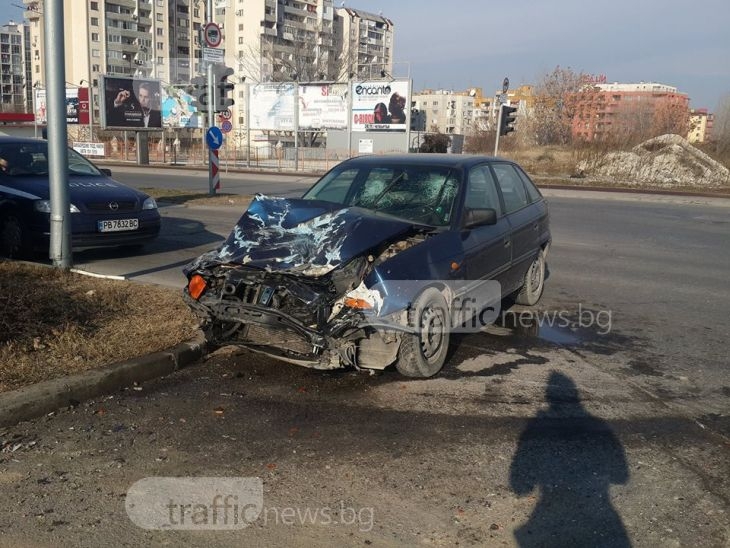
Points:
[(305, 237)]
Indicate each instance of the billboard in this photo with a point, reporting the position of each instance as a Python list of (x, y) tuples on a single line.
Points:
[(379, 105), (77, 106), (130, 103), (178, 110), (272, 106), (323, 106)]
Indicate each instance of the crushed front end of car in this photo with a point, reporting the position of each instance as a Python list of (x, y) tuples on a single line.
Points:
[(290, 281)]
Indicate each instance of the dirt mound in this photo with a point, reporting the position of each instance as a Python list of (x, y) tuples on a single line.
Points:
[(666, 161)]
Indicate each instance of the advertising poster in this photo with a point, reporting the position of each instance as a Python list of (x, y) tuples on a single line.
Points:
[(272, 106), (323, 106), (77, 106), (131, 103), (178, 110), (379, 105)]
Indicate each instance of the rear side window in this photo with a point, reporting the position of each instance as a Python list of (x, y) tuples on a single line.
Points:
[(532, 193), (481, 190), (510, 183)]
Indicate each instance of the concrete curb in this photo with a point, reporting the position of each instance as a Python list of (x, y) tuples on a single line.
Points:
[(39, 399)]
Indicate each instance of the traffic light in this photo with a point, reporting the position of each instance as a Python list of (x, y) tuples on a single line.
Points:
[(199, 90), (418, 120), (507, 120), (220, 77)]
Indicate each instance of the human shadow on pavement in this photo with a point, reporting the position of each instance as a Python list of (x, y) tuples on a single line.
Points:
[(573, 458)]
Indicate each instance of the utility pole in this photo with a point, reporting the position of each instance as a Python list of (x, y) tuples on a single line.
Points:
[(60, 250)]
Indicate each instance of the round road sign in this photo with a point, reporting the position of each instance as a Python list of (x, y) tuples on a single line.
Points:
[(226, 126), (213, 36), (226, 114)]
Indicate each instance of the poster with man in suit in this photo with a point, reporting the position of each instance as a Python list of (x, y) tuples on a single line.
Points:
[(131, 103)]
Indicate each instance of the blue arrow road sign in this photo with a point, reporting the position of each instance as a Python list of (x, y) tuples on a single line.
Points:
[(214, 138)]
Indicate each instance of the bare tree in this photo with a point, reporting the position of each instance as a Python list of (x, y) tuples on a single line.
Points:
[(557, 99), (720, 135), (670, 117)]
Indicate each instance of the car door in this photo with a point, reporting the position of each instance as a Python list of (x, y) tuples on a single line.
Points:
[(523, 217), (487, 249)]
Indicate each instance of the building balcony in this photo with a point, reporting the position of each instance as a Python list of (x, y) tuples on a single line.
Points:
[(131, 4)]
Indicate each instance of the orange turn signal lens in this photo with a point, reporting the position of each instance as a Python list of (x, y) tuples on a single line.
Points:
[(360, 304), (196, 286)]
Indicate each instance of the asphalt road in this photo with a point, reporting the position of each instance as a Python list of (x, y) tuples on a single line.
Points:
[(610, 432)]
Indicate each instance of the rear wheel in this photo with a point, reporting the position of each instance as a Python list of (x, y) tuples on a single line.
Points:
[(534, 282), (13, 237), (423, 352)]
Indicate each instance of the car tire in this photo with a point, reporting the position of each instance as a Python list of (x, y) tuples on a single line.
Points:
[(422, 353), (13, 237), (534, 283)]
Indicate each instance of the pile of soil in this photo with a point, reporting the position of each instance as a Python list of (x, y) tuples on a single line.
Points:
[(667, 161)]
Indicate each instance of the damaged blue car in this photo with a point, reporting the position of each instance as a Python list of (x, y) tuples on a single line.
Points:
[(371, 266)]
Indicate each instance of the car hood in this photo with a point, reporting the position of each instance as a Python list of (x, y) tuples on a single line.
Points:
[(80, 188), (306, 237)]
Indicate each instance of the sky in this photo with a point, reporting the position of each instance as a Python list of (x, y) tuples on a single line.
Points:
[(460, 44)]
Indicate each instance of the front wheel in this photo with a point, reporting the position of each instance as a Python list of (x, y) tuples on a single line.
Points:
[(13, 237), (534, 282), (423, 352)]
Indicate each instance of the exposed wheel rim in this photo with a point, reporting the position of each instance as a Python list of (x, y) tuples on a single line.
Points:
[(432, 332), (536, 274)]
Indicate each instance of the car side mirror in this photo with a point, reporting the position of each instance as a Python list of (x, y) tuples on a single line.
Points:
[(106, 171), (480, 217)]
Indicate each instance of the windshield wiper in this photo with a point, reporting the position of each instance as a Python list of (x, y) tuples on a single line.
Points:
[(379, 197)]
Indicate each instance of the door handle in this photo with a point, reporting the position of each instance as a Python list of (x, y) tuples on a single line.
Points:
[(536, 226), (507, 243)]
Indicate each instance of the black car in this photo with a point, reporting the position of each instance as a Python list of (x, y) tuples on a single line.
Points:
[(103, 211), (377, 263)]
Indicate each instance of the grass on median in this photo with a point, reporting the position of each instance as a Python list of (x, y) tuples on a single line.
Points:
[(54, 323), (186, 197)]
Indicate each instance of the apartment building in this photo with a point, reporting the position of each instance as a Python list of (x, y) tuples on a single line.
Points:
[(449, 111), (364, 44), (700, 125), (15, 93), (307, 40), (279, 40), (144, 38), (611, 110)]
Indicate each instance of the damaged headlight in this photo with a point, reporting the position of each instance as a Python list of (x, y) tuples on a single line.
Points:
[(348, 277), (197, 286)]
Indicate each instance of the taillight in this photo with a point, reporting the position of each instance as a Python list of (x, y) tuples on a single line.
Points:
[(196, 286)]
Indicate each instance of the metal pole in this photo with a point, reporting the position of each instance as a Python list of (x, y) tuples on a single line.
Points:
[(409, 96), (60, 248), (90, 82), (211, 123), (349, 118), (296, 126), (248, 125), (35, 111), (210, 17), (499, 125)]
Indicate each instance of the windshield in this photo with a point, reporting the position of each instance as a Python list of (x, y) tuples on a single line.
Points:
[(31, 159), (422, 194)]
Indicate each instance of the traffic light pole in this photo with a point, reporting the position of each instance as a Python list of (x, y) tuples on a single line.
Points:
[(212, 156), (499, 126)]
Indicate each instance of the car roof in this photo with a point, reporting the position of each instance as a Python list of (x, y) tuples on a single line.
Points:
[(8, 139), (424, 159)]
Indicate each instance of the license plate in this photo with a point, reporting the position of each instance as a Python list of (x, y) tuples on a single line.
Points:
[(118, 225)]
